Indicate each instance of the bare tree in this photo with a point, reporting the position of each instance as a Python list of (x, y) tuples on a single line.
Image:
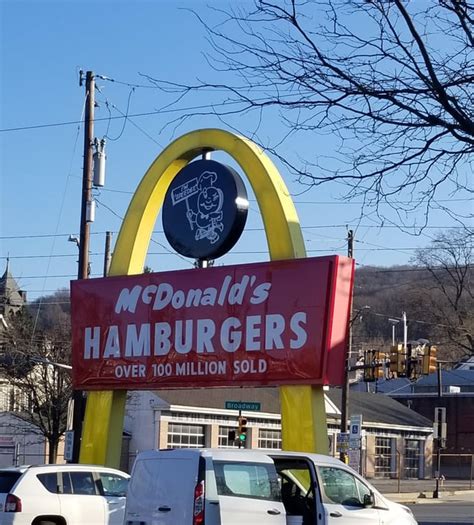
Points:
[(391, 80), (29, 363), (449, 293)]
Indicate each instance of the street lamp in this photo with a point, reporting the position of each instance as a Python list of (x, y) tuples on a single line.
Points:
[(74, 238), (394, 323)]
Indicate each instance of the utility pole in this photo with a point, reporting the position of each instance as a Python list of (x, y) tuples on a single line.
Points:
[(107, 256), (86, 204), (405, 331), (345, 386)]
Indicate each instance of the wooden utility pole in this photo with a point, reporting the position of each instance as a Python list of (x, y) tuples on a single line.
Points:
[(345, 386), (84, 238), (107, 256)]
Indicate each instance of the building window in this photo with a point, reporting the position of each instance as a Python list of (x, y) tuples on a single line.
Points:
[(185, 436), (412, 458), (383, 457), (269, 438), (224, 437)]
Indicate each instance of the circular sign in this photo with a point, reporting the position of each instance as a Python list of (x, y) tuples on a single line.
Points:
[(205, 210)]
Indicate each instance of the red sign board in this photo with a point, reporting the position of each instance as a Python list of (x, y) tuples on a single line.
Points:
[(282, 322)]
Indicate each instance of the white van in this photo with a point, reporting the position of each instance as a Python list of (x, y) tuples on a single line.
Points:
[(244, 487)]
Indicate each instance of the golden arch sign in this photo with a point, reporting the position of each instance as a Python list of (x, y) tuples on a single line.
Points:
[(302, 405)]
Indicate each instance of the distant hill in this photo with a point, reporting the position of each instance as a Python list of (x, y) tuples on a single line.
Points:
[(393, 290)]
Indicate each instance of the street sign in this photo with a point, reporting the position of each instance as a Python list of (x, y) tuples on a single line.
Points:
[(355, 432), (355, 426), (440, 427), (220, 326), (354, 460), (243, 405), (342, 442), (68, 444)]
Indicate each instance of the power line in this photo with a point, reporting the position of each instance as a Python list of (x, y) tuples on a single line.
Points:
[(376, 248), (372, 268), (101, 119), (310, 227), (416, 321), (402, 270), (42, 235), (338, 203)]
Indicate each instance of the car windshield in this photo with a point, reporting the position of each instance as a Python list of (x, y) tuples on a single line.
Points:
[(7, 480)]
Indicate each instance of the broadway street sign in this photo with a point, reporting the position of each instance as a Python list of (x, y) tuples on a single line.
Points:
[(243, 405)]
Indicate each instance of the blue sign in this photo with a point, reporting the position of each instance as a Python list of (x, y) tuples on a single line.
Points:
[(205, 210), (243, 405)]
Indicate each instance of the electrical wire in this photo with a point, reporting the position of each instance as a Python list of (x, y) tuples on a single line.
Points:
[(143, 131), (61, 208), (337, 203), (303, 227), (375, 249), (170, 252), (125, 118), (417, 321), (101, 119)]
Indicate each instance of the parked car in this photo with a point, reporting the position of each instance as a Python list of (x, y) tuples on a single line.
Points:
[(62, 495), (235, 487)]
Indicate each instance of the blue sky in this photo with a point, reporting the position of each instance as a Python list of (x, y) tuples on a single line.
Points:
[(43, 46)]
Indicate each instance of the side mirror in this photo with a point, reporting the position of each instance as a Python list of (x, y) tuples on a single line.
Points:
[(369, 500)]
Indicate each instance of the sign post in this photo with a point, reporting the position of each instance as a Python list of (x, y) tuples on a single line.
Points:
[(355, 442), (440, 434)]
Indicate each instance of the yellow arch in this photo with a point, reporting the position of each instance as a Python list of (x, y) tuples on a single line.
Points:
[(303, 413)]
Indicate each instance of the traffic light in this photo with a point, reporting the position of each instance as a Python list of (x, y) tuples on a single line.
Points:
[(411, 362), (381, 359), (397, 360), (429, 360), (242, 434), (369, 365)]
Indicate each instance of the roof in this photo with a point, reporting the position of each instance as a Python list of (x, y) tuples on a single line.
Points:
[(375, 408), (379, 408), (403, 386), (10, 290), (216, 397), (233, 454), (456, 377)]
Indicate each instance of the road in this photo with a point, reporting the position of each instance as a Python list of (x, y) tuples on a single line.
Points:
[(458, 510)]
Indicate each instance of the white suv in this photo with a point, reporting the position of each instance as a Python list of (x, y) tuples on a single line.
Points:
[(62, 495)]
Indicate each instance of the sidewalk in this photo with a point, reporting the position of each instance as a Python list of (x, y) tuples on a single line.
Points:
[(421, 490)]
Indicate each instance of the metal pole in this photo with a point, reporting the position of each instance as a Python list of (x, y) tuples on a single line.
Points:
[(346, 385), (399, 469), (438, 444), (472, 472), (239, 444), (83, 270), (393, 334), (405, 332)]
